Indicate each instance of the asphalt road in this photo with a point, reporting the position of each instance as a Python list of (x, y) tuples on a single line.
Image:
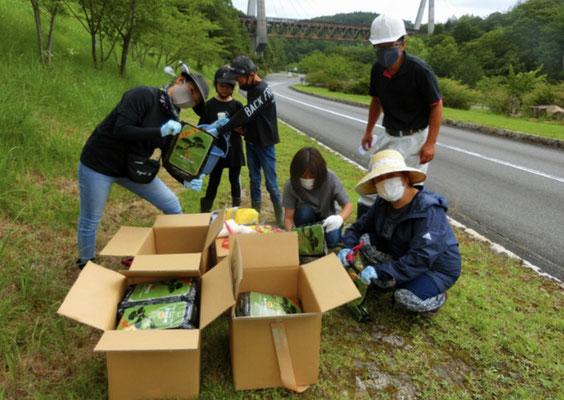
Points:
[(509, 191)]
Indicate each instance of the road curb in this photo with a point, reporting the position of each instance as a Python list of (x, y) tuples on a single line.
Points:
[(520, 136)]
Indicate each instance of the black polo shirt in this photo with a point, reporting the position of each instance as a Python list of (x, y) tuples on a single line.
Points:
[(407, 96)]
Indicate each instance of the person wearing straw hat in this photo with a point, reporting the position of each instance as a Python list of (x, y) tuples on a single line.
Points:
[(408, 242), (404, 88)]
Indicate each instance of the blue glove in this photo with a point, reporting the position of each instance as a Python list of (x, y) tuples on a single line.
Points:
[(219, 123), (368, 274), (343, 256), (212, 131), (172, 127), (195, 184)]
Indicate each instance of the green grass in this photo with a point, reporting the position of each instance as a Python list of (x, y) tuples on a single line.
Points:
[(545, 128), (501, 334)]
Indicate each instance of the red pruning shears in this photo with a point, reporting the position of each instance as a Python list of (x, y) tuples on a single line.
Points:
[(355, 249)]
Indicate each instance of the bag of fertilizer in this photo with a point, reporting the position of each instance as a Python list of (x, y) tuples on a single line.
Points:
[(253, 304), (164, 291), (177, 315)]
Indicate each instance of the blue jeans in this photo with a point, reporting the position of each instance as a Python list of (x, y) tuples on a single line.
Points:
[(262, 158), (423, 287), (94, 190), (305, 215)]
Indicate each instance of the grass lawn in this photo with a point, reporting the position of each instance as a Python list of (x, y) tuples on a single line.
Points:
[(477, 116), (500, 335)]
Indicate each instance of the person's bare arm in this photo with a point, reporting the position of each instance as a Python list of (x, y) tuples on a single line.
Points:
[(427, 152), (373, 115)]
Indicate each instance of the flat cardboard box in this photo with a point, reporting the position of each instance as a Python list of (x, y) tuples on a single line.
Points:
[(284, 350), (169, 243), (151, 364)]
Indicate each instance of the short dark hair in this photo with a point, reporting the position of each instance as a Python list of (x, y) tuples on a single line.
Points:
[(308, 159)]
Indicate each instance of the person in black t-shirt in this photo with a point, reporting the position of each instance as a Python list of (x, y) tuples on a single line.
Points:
[(260, 122), (404, 87), (145, 119), (223, 105)]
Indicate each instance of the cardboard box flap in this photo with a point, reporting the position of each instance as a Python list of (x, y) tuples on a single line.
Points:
[(330, 282), (151, 340), (127, 241), (269, 250), (182, 220), (179, 263), (214, 229), (217, 292), (236, 264), (93, 298)]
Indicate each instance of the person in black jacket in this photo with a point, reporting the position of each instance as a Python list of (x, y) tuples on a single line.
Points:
[(260, 122), (408, 242), (145, 119), (223, 105)]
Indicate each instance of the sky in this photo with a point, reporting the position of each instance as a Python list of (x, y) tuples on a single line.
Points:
[(405, 9)]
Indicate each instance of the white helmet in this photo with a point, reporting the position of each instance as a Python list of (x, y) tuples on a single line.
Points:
[(386, 29)]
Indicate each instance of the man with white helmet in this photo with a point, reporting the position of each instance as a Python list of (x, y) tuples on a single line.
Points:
[(404, 87)]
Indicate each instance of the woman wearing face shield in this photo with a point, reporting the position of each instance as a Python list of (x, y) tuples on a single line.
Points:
[(312, 193), (146, 118), (408, 242)]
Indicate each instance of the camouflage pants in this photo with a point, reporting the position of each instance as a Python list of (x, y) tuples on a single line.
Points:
[(413, 303)]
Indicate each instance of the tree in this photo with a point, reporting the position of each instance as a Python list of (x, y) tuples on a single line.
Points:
[(443, 57), (521, 83), (92, 16), (52, 7)]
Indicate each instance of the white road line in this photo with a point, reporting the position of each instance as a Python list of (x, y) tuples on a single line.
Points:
[(321, 109), (508, 164), (470, 153)]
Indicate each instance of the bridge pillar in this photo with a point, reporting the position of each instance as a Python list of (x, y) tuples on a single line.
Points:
[(259, 38), (431, 24)]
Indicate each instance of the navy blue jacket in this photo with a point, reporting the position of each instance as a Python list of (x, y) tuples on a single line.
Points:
[(422, 241)]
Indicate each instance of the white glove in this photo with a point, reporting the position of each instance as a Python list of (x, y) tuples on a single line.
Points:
[(332, 222), (172, 127)]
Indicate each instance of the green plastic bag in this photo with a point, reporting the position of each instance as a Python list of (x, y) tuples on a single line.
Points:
[(311, 240), (178, 315), (164, 291), (253, 304)]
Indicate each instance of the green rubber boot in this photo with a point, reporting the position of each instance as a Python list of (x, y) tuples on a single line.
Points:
[(256, 206), (279, 213)]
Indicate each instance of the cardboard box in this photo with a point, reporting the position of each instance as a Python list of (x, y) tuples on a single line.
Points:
[(169, 243), (282, 351), (220, 251), (147, 364)]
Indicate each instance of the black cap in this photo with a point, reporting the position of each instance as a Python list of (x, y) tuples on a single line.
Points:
[(241, 65), (221, 76), (203, 88)]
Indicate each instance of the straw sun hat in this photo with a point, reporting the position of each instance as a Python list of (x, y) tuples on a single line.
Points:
[(385, 162)]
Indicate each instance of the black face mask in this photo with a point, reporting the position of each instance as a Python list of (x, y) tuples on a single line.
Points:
[(247, 85), (387, 56)]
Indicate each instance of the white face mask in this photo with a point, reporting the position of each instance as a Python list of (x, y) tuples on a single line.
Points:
[(181, 96), (391, 189), (307, 184)]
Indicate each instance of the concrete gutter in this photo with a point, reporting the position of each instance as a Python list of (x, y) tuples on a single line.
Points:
[(523, 137)]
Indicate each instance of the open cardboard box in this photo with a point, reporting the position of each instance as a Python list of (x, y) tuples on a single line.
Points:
[(168, 244), (154, 363), (284, 350)]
